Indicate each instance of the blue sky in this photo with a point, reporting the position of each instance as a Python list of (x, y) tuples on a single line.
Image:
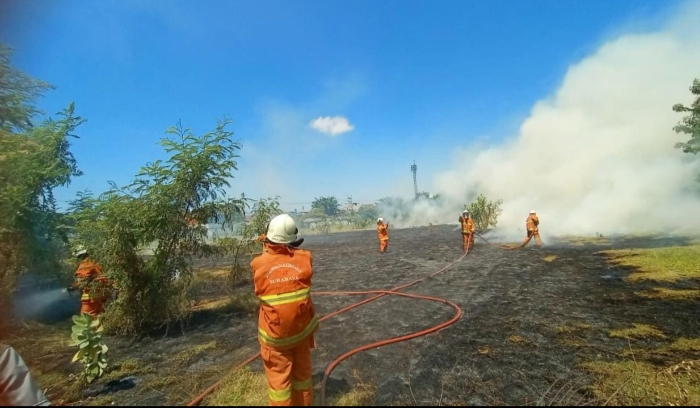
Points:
[(415, 80)]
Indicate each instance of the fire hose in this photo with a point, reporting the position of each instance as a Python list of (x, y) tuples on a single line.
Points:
[(379, 294), (499, 246)]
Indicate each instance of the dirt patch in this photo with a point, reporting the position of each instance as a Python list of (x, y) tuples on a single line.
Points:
[(528, 329)]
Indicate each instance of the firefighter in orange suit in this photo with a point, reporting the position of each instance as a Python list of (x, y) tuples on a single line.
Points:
[(287, 320), (93, 284), (468, 229), (532, 225), (383, 233)]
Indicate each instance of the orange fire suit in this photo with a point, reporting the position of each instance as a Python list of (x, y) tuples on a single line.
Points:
[(467, 232), (532, 225), (383, 233), (94, 287), (287, 322)]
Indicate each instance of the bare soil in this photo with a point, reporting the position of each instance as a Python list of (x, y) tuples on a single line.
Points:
[(530, 317)]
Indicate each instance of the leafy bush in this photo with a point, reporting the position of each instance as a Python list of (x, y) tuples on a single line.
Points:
[(262, 212), (34, 160), (167, 205), (87, 336), (484, 213)]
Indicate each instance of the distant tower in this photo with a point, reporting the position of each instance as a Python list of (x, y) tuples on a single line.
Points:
[(414, 169)]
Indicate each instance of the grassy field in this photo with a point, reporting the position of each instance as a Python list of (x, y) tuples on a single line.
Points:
[(650, 374)]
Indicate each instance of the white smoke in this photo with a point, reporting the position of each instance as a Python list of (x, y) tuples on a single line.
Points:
[(598, 155)]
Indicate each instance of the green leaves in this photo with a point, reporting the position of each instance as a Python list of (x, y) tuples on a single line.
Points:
[(690, 125), (35, 158), (87, 336), (166, 207), (484, 213), (326, 205)]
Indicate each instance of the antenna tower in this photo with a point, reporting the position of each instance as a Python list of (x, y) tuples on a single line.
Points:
[(414, 169)]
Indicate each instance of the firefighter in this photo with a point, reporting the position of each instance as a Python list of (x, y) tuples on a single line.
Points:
[(532, 225), (93, 284), (468, 229), (383, 233), (287, 319)]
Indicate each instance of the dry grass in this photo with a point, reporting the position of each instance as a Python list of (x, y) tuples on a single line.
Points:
[(520, 341), (186, 356), (633, 383), (550, 258), (361, 395), (241, 388), (212, 274), (247, 388), (684, 344), (658, 264), (578, 327), (580, 241), (669, 294), (677, 348), (125, 368), (638, 331), (246, 302)]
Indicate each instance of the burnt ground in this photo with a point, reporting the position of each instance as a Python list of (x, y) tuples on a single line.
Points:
[(508, 348)]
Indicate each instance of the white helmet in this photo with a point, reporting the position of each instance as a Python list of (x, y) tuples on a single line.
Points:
[(283, 230), (465, 212), (380, 219), (532, 212), (79, 250)]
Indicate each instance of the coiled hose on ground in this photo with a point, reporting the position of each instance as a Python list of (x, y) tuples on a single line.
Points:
[(379, 294)]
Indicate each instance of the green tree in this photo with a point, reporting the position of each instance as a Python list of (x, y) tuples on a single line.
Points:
[(326, 205), (484, 213), (18, 95), (34, 160), (238, 248), (690, 125), (158, 208), (368, 212)]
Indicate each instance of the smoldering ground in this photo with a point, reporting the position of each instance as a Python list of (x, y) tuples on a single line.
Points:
[(596, 156), (506, 349)]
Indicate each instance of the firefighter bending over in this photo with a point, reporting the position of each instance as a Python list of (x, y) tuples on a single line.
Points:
[(93, 284), (383, 233), (532, 224), (467, 230), (287, 319)]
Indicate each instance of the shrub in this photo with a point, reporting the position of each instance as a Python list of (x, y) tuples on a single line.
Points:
[(87, 336), (168, 205), (484, 213)]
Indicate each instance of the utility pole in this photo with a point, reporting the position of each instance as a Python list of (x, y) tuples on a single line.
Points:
[(414, 169), (351, 205)]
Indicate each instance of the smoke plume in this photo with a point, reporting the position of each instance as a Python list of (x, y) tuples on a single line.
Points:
[(598, 155)]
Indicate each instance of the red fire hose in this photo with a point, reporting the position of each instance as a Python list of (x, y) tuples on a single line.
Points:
[(198, 399), (499, 246), (340, 359)]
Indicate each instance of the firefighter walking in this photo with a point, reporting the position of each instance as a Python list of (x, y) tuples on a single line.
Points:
[(383, 233), (532, 225), (93, 284), (468, 229), (287, 319)]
